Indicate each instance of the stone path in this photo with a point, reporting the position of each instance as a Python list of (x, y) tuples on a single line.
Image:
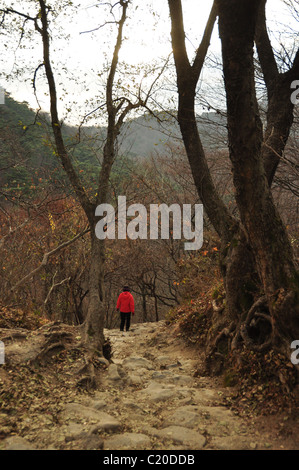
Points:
[(149, 399), (158, 402)]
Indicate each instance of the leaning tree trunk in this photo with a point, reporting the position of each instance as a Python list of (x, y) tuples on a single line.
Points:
[(93, 326), (264, 228), (242, 276), (236, 258), (93, 336)]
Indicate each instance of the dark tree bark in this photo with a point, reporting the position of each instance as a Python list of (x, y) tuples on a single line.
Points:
[(245, 271), (280, 111), (264, 228), (187, 79), (94, 324), (237, 263)]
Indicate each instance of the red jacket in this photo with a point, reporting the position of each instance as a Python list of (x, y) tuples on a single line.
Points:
[(125, 302)]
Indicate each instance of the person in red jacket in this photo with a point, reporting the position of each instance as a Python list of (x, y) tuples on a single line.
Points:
[(125, 304)]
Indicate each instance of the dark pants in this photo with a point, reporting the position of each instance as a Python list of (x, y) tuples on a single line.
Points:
[(125, 319)]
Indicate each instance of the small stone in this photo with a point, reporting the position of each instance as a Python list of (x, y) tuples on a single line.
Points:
[(16, 443), (136, 362), (173, 366), (74, 431), (113, 373), (91, 442), (186, 416), (80, 413), (133, 406), (156, 392), (229, 443), (135, 379), (165, 375), (99, 404), (182, 435), (129, 441), (182, 379)]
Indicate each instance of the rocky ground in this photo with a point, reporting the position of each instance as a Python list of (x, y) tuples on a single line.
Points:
[(148, 398)]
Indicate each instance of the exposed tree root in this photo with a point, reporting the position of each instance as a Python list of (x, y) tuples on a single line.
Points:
[(215, 359), (253, 318), (42, 347), (47, 352), (255, 332), (88, 379), (252, 344), (56, 340)]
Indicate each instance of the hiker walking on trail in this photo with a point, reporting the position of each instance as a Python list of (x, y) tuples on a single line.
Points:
[(125, 304)]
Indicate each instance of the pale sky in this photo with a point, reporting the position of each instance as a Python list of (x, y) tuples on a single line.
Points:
[(80, 59)]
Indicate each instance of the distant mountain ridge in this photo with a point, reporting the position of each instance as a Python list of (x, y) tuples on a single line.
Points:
[(25, 141), (147, 135)]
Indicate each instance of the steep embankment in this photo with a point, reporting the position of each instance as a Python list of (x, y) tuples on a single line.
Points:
[(148, 397)]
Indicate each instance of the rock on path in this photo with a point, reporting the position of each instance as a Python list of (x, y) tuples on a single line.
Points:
[(149, 400)]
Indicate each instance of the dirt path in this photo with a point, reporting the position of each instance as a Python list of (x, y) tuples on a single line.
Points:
[(149, 399)]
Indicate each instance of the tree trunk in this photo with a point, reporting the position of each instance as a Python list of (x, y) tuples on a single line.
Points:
[(264, 228), (93, 326), (156, 309), (187, 78), (236, 258), (144, 309), (280, 107), (246, 261), (93, 336)]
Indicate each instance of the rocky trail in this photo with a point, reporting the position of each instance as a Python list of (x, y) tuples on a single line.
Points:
[(149, 398)]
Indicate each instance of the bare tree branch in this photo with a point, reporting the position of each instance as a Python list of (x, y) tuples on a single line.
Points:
[(55, 285), (46, 258)]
